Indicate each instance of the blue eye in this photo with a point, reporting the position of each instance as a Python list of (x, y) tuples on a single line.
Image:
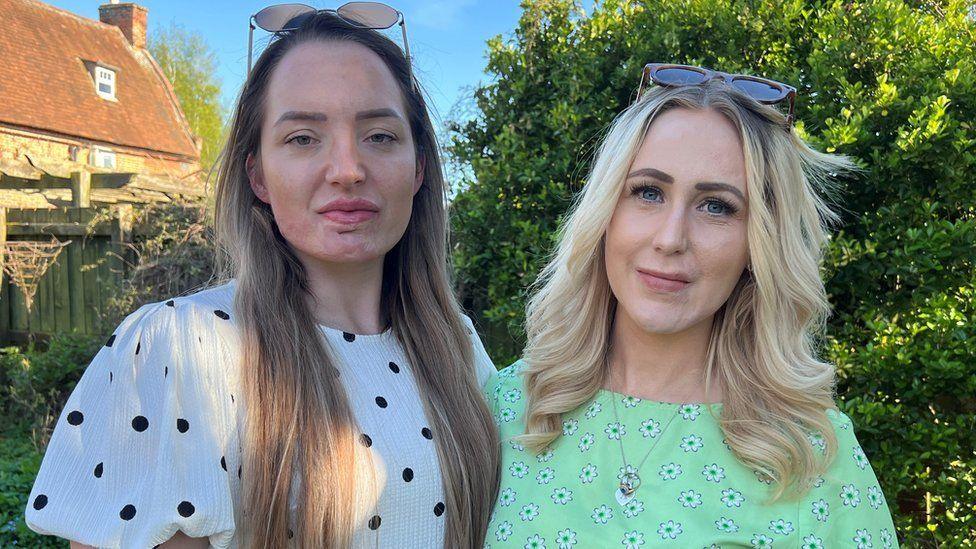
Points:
[(647, 193), (381, 138), (718, 207), (301, 140)]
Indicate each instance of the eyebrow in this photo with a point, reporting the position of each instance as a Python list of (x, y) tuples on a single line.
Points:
[(702, 186), (321, 117)]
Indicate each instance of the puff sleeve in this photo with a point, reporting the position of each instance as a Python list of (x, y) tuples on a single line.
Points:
[(146, 444)]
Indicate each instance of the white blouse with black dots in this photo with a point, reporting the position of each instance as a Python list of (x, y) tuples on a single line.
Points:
[(149, 441)]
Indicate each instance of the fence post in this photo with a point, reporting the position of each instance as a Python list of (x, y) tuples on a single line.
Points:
[(81, 189)]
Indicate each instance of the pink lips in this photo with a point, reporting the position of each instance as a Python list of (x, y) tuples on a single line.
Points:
[(663, 282), (349, 211)]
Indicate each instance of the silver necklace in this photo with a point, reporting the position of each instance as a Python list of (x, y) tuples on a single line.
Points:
[(630, 481)]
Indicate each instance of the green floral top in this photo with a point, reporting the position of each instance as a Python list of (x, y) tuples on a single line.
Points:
[(693, 492)]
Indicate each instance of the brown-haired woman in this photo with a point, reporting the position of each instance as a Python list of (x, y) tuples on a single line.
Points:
[(326, 396)]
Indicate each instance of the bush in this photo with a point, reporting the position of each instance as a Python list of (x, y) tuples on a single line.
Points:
[(891, 83)]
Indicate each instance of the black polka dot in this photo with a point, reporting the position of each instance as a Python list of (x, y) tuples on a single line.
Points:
[(221, 314), (40, 502), (138, 346), (165, 371), (374, 523), (170, 303), (427, 434), (110, 341), (110, 377), (439, 508), (394, 368), (98, 470), (364, 438), (223, 463), (348, 337), (76, 417), (185, 509), (381, 402), (127, 512), (231, 399), (182, 425), (239, 467), (290, 534), (407, 474), (140, 423)]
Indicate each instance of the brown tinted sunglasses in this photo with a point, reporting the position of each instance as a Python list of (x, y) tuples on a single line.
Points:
[(768, 92)]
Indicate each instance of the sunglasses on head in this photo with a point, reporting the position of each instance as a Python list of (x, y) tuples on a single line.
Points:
[(768, 92), (287, 17)]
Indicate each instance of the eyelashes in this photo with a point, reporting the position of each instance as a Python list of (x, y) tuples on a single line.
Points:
[(727, 209)]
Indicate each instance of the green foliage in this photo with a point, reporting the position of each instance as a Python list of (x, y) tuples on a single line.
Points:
[(890, 83), (191, 67), (19, 463)]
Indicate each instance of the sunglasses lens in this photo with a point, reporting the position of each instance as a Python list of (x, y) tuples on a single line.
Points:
[(677, 76), (373, 15), (758, 90), (282, 16)]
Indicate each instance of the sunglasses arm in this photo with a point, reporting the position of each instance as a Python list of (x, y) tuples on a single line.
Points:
[(250, 44), (406, 46)]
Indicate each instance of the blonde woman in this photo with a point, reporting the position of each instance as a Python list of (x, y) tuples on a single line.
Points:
[(328, 396), (670, 394)]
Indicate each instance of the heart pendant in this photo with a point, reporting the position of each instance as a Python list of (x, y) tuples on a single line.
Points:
[(624, 496)]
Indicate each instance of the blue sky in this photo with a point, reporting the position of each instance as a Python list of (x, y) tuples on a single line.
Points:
[(447, 37)]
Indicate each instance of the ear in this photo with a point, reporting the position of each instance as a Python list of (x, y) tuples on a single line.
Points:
[(256, 178), (418, 180)]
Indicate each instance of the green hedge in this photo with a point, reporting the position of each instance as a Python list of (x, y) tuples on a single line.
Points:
[(888, 82)]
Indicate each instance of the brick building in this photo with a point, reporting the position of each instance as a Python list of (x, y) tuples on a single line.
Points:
[(84, 95)]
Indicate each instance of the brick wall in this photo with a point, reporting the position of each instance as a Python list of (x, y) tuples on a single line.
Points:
[(14, 144)]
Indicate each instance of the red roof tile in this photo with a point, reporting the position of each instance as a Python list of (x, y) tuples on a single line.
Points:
[(45, 84)]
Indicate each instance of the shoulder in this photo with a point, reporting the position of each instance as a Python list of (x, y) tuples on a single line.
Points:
[(194, 314), (505, 393), (483, 366)]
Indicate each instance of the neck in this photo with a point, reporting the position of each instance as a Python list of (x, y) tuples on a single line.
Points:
[(663, 367), (346, 295)]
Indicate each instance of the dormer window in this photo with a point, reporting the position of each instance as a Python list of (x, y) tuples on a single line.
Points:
[(105, 82), (103, 158)]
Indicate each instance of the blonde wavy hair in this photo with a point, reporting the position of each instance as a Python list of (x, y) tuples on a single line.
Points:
[(762, 350), (299, 424)]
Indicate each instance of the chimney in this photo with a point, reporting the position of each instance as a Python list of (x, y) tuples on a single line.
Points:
[(131, 18)]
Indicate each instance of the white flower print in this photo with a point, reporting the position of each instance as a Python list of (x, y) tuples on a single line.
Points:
[(545, 475), (507, 497), (761, 541), (732, 498), (862, 538), (650, 428), (762, 477), (820, 510), (726, 525), (691, 443), (506, 415), (634, 508), (586, 441), (570, 426), (850, 495), (713, 473), (516, 445), (602, 514), (588, 473), (615, 430), (818, 441), (545, 455), (632, 539), (669, 529), (630, 402), (670, 471), (512, 395), (812, 542), (690, 499), (593, 409), (886, 538), (781, 527), (562, 496), (690, 411), (566, 538), (820, 481), (529, 512), (628, 470), (860, 459), (535, 542), (503, 531), (519, 469), (875, 498)]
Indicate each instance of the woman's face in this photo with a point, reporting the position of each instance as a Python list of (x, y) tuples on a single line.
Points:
[(676, 244), (336, 162)]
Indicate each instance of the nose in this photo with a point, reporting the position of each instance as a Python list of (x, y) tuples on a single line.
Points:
[(671, 234), (344, 166)]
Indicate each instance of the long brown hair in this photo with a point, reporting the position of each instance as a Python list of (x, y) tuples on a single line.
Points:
[(298, 419)]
